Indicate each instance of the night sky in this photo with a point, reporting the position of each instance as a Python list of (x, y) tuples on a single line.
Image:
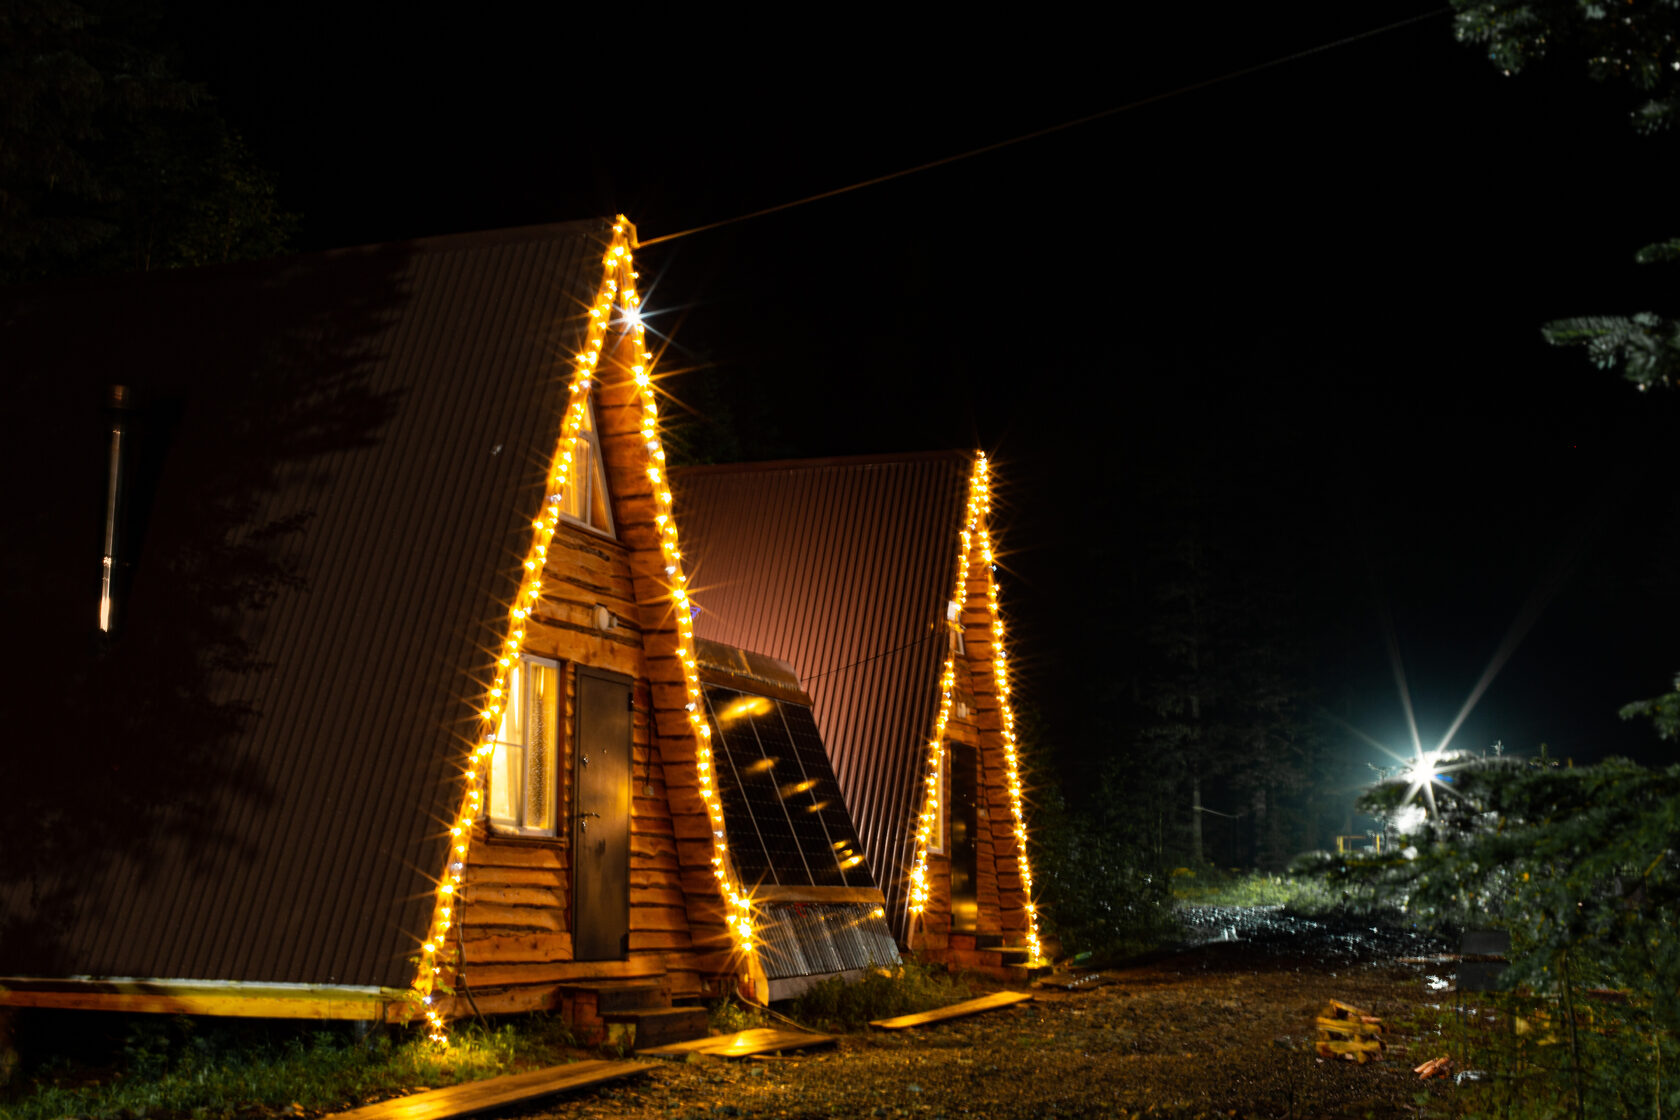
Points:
[(1317, 288)]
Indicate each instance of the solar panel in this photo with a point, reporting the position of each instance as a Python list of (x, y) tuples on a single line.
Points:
[(787, 822)]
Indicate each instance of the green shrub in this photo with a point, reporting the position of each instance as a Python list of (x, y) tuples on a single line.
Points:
[(727, 1016), (880, 994), (1100, 891)]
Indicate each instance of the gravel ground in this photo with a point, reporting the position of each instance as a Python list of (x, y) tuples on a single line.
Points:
[(1218, 1029)]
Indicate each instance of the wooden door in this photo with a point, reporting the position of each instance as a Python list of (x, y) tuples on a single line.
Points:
[(965, 829), (601, 817)]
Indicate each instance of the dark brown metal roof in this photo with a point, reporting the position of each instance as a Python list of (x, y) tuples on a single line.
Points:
[(841, 567), (403, 402)]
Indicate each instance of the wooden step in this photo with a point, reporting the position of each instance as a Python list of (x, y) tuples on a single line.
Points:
[(495, 1092), (954, 1011), (647, 1027), (1019, 966), (985, 959), (619, 995)]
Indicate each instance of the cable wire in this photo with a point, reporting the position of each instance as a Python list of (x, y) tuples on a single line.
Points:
[(1062, 127), (872, 657)]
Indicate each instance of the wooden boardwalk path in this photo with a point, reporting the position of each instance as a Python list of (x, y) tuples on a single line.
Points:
[(494, 1092), (742, 1044), (954, 1011)]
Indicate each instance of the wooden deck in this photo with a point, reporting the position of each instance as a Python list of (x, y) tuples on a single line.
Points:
[(742, 1044), (495, 1092), (954, 1011)]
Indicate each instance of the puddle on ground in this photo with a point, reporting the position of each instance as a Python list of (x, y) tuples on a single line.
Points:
[(1274, 932)]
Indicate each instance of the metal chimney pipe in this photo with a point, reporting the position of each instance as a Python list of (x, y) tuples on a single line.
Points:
[(118, 403)]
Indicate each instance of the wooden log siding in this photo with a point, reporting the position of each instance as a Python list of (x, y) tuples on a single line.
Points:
[(687, 902), (1002, 901), (517, 934), (999, 897)]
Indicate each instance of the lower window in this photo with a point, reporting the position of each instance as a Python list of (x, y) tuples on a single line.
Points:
[(524, 763)]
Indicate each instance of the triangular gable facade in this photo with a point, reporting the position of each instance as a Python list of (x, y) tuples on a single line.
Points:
[(874, 576), (652, 892), (438, 395)]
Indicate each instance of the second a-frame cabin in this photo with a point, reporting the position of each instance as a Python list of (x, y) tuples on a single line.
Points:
[(355, 581), (876, 578)]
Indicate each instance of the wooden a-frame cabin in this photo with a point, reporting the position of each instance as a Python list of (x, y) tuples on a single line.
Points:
[(876, 576), (389, 530)]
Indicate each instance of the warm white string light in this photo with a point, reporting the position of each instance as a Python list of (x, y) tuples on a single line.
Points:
[(975, 530), (617, 289)]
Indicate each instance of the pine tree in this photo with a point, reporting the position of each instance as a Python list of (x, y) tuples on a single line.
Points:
[(1183, 692), (1637, 44), (112, 162), (1224, 692), (1645, 345)]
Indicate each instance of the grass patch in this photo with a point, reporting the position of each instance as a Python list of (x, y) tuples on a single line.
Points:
[(1209, 886), (835, 1004), (728, 1015), (180, 1068)]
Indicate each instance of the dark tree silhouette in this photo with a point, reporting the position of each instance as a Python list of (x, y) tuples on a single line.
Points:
[(243, 378)]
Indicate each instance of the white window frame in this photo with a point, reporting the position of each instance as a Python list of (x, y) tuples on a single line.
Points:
[(514, 748), (941, 773), (953, 623), (582, 493)]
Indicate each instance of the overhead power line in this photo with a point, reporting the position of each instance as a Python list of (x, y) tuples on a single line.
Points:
[(1062, 127), (872, 657)]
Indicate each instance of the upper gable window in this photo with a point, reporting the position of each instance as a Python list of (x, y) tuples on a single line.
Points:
[(522, 765), (586, 501)]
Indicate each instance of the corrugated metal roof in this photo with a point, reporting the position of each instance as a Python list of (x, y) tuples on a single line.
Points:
[(841, 567), (403, 401)]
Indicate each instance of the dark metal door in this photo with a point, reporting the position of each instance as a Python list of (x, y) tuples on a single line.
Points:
[(965, 827), (601, 820)]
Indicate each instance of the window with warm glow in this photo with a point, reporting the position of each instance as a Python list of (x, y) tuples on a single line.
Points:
[(523, 763), (586, 501)]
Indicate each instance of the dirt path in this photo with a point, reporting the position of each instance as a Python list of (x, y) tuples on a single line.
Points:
[(1216, 1031)]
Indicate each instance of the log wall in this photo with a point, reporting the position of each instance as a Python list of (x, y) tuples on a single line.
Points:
[(1002, 901), (690, 892)]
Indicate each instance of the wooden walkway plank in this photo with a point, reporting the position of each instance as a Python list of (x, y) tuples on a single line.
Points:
[(954, 1011), (495, 1092), (741, 1044)]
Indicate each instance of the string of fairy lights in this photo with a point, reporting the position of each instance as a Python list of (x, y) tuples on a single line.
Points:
[(618, 288), (976, 529)]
